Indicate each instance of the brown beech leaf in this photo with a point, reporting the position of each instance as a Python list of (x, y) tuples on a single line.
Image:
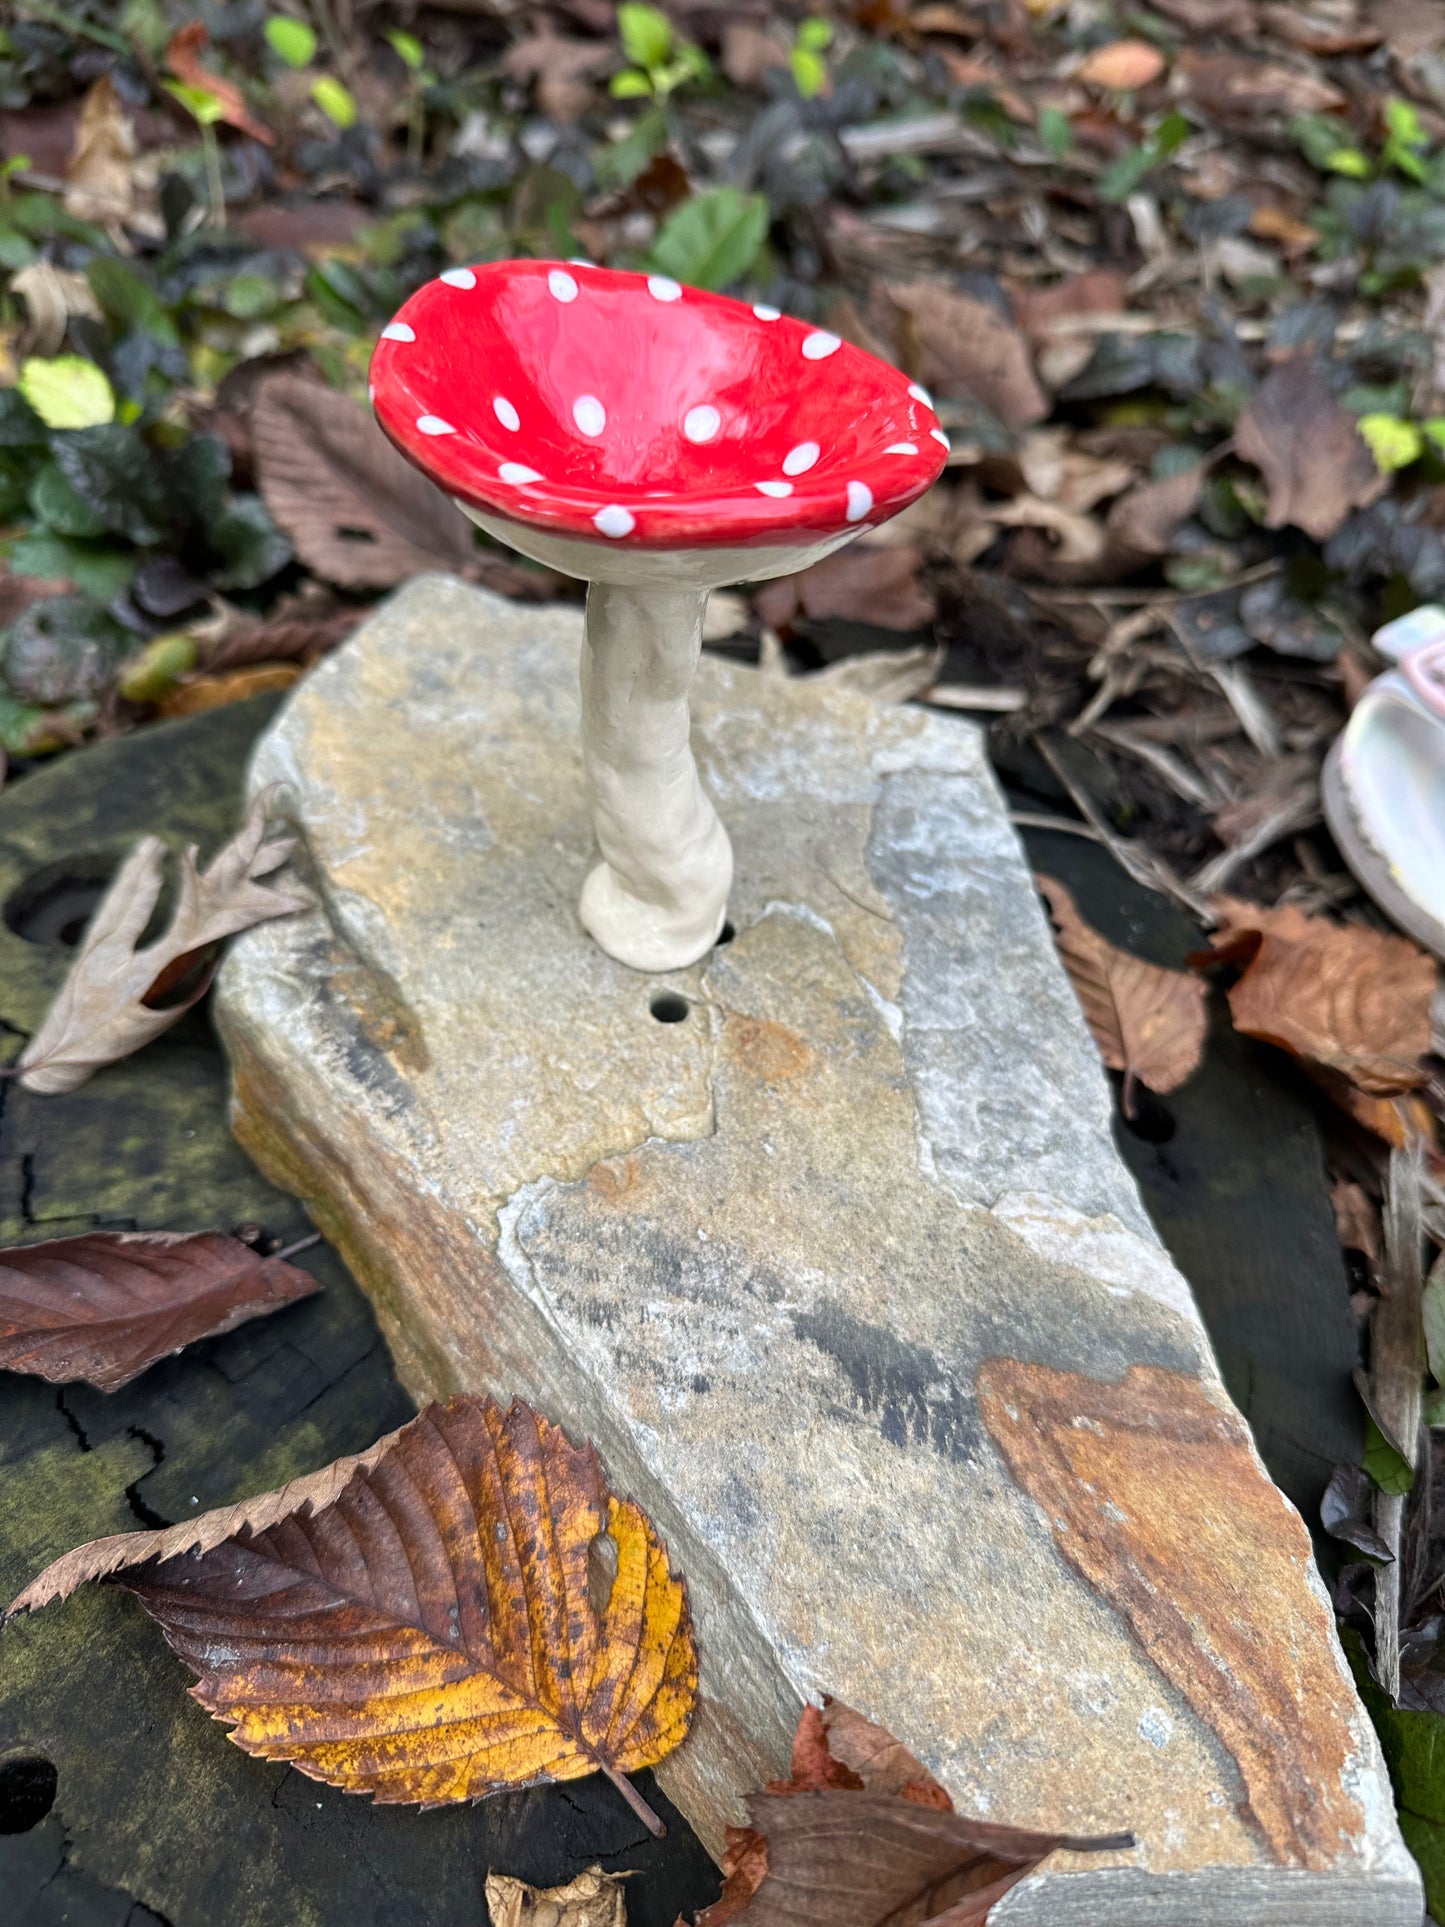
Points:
[(1145, 520), (416, 1622), (117, 997), (1345, 998), (1147, 1021), (957, 344), (356, 511), (104, 1306), (593, 1899), (870, 582), (1306, 445)]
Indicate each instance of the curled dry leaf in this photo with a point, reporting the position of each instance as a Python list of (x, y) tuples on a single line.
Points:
[(863, 1833), (416, 1622), (1346, 999), (593, 1899), (106, 1305), (1306, 445), (183, 58), (99, 176), (1148, 1022), (1145, 520), (117, 997)]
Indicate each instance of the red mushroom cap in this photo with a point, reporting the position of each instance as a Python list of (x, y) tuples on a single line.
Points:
[(627, 408)]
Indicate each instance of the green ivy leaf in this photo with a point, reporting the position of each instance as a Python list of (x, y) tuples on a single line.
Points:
[(128, 302), (334, 101), (99, 568), (252, 547), (113, 471), (1384, 1464), (67, 392), (815, 35), (55, 503), (713, 239), (646, 34), (630, 84)]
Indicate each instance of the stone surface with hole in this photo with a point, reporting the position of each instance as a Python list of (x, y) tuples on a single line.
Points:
[(824, 1241)]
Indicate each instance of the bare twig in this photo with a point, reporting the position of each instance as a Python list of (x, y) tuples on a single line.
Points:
[(1397, 1368), (1133, 858)]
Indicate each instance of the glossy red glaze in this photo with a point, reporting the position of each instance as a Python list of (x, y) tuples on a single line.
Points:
[(624, 408)]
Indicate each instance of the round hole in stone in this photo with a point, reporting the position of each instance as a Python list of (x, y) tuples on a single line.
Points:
[(726, 934), (28, 1783), (668, 1008), (54, 905)]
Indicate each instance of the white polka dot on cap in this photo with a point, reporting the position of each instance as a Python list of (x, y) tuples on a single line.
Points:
[(920, 394), (820, 344), (398, 331), (799, 460), (662, 287), (505, 413), (434, 425), (778, 490), (589, 414), (765, 312), (860, 500), (939, 436), (517, 473), (562, 285), (901, 448), (702, 423), (458, 277), (614, 520)]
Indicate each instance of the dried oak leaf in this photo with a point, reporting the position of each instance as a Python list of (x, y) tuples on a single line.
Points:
[(593, 1899), (1306, 445), (1147, 1021), (117, 997), (1122, 64), (955, 343), (106, 1305), (416, 1622), (183, 58), (862, 1833), (1346, 999)]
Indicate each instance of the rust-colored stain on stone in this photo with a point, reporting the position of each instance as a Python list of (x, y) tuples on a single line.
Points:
[(613, 1178), (770, 1052), (1155, 1497)]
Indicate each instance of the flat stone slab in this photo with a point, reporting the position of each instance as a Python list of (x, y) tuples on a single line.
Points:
[(840, 1269)]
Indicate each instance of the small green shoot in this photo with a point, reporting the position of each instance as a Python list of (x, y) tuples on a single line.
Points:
[(334, 100), (290, 40), (805, 59), (662, 62)]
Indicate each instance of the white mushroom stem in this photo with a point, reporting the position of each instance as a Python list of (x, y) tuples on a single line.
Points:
[(657, 899)]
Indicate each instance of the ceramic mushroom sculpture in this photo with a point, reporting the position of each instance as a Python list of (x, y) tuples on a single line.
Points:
[(658, 442)]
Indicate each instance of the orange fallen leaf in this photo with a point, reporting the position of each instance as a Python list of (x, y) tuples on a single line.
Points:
[(105, 1305), (1148, 1022), (183, 58), (1345, 998), (862, 1833), (418, 1623), (1123, 64), (232, 686)]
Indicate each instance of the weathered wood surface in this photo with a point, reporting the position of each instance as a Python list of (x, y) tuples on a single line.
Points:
[(156, 1817)]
